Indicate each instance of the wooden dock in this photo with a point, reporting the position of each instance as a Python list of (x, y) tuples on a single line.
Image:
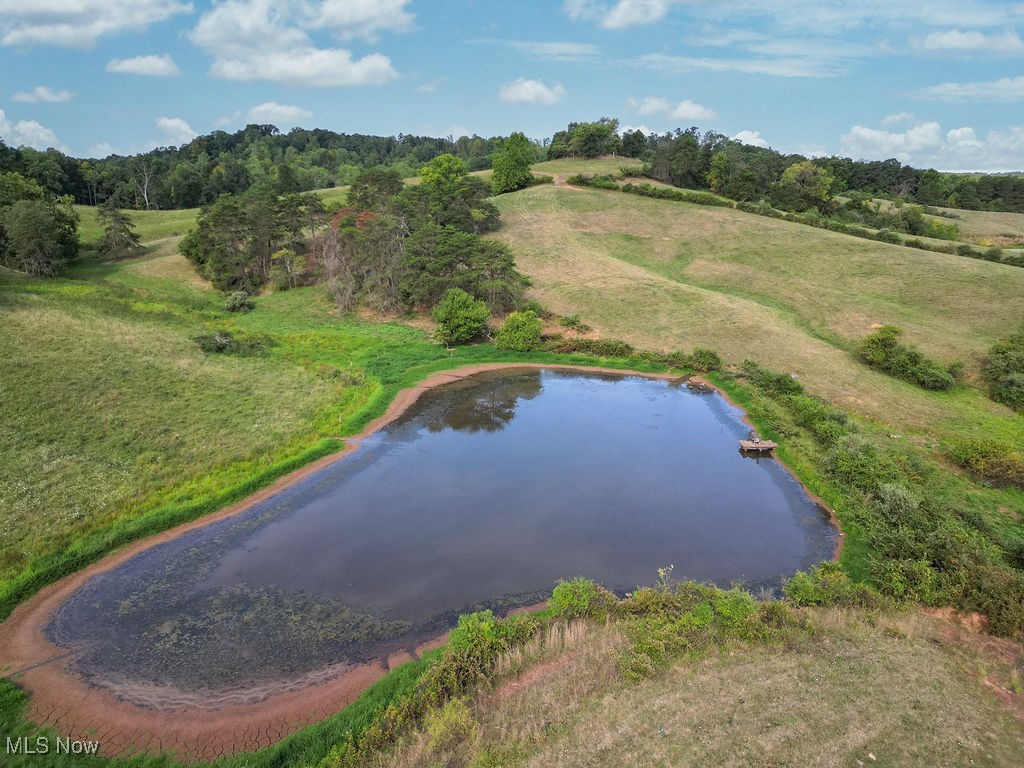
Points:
[(759, 446)]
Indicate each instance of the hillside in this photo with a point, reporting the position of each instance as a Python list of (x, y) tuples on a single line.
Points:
[(116, 424)]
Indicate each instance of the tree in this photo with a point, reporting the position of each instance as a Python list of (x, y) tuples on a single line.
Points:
[(512, 163), (804, 185), (459, 317), (373, 188), (119, 240), (38, 236)]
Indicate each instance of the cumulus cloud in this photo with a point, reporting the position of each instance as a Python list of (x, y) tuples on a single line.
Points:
[(753, 138), (101, 150), (268, 40), (28, 133), (927, 146), (153, 66), (79, 23), (278, 114), (430, 86), (175, 130), (624, 129), (524, 91), (973, 40), (685, 110), (42, 93), (1003, 89)]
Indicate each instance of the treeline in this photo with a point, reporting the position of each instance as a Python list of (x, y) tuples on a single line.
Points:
[(396, 247), (196, 173), (710, 160)]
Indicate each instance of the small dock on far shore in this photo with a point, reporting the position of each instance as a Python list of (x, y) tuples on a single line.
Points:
[(758, 446)]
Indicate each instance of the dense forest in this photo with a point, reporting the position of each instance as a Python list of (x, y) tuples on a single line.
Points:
[(300, 160)]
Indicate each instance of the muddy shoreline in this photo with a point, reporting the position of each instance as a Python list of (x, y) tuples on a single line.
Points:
[(244, 720)]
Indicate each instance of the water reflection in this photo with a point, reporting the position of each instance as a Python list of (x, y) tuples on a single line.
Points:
[(468, 409)]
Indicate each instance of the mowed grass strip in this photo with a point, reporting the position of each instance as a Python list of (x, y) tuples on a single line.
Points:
[(667, 275)]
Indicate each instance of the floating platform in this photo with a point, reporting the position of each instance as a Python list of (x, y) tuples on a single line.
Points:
[(760, 446)]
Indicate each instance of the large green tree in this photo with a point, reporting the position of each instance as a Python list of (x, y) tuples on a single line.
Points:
[(38, 230), (512, 163), (804, 185)]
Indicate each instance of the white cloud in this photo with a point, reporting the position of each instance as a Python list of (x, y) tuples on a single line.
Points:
[(691, 110), (973, 40), (524, 91), (79, 23), (899, 117), (778, 67), (430, 86), (101, 150), (42, 93), (278, 114), (685, 110), (650, 105), (927, 146), (555, 51), (267, 40), (28, 133), (175, 130), (630, 13), (753, 138), (1003, 89), (152, 65), (624, 129), (349, 19)]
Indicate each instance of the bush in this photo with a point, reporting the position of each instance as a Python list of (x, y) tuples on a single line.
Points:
[(771, 383), (826, 584), (1004, 371), (450, 725), (239, 301), (580, 597), (226, 343), (460, 318), (574, 323), (992, 460), (521, 332), (882, 349), (595, 347), (705, 360)]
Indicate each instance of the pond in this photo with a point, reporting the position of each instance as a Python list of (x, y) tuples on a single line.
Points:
[(483, 494)]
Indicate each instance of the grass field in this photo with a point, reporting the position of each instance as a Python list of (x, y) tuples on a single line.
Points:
[(900, 689), (788, 296)]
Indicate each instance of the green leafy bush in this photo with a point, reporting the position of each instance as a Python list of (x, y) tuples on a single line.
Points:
[(882, 349), (521, 332), (227, 343), (705, 360), (573, 322), (460, 318), (771, 383), (580, 597), (826, 584), (239, 301), (1004, 370), (992, 460), (450, 725), (595, 347)]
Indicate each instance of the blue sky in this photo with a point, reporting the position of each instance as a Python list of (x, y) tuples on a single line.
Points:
[(935, 84)]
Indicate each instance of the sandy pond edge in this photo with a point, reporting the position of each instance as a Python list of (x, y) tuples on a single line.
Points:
[(76, 709)]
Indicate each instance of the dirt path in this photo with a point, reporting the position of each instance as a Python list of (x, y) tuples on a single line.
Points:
[(182, 722)]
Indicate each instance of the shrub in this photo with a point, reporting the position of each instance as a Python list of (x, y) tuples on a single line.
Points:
[(826, 584), (595, 347), (993, 460), (521, 332), (1004, 370), (460, 318), (771, 383), (450, 725), (882, 349), (580, 597), (226, 343), (239, 301), (705, 360), (574, 323)]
